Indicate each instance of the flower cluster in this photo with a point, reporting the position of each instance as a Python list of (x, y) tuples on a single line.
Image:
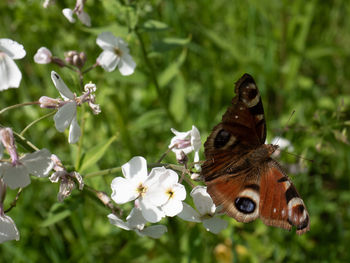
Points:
[(159, 194), (78, 10), (67, 108)]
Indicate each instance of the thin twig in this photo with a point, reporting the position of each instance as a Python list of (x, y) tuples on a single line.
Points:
[(14, 202)]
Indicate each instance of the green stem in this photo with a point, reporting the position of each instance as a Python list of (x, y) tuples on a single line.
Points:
[(18, 105), (36, 121), (154, 77)]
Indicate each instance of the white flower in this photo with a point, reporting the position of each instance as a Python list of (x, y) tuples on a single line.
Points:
[(43, 56), (78, 10), (206, 211), (38, 164), (135, 185), (67, 114), (186, 142), (136, 222), (115, 53), (167, 192), (8, 229), (10, 75)]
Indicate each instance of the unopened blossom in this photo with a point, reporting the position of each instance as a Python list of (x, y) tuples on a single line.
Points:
[(136, 222), (185, 143), (8, 229), (115, 53), (78, 10), (206, 211), (37, 164), (10, 75), (67, 108), (7, 140), (43, 56), (75, 58), (167, 192), (67, 180), (136, 184)]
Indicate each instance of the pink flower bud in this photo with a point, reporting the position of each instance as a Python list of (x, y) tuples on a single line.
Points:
[(7, 139), (50, 103), (43, 56)]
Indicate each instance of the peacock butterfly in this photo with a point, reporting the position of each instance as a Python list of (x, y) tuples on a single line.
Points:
[(239, 172)]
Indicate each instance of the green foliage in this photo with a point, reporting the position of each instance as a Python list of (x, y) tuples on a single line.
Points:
[(188, 55)]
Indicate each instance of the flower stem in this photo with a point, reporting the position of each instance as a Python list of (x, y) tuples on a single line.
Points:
[(18, 105), (154, 77), (14, 202), (36, 121)]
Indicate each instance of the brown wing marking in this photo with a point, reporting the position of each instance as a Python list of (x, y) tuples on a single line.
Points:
[(280, 203)]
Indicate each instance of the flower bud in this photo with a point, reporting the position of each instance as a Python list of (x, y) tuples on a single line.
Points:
[(49, 103), (43, 56), (8, 140)]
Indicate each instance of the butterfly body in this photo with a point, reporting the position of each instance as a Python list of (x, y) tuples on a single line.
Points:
[(239, 172)]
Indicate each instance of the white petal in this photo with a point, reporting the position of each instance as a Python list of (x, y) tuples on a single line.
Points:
[(38, 163), (135, 169), (15, 176), (195, 139), (196, 160), (189, 214), (169, 178), (114, 220), (65, 115), (10, 75), (181, 135), (43, 56), (107, 41), (150, 212), (156, 195), (61, 86), (154, 231), (172, 207), (126, 65), (155, 175), (13, 49), (8, 229), (179, 192), (123, 190), (108, 60), (135, 219), (202, 200), (214, 224), (84, 18), (74, 131), (68, 13)]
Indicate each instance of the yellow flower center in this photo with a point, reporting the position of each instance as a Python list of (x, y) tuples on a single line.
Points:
[(118, 52)]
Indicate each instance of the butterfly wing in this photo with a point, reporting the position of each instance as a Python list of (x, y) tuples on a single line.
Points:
[(241, 130), (280, 204)]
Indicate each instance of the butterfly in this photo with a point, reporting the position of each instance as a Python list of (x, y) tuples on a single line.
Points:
[(239, 172)]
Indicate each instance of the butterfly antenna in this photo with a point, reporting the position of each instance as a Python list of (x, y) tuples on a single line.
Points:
[(290, 117), (298, 156)]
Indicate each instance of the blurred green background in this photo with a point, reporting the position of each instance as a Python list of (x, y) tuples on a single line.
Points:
[(188, 55)]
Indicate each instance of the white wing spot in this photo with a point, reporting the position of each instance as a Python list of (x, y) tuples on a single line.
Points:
[(274, 210)]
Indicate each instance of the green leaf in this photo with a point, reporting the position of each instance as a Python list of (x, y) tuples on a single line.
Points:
[(172, 70), (54, 218), (154, 25), (178, 99), (167, 44), (95, 154)]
